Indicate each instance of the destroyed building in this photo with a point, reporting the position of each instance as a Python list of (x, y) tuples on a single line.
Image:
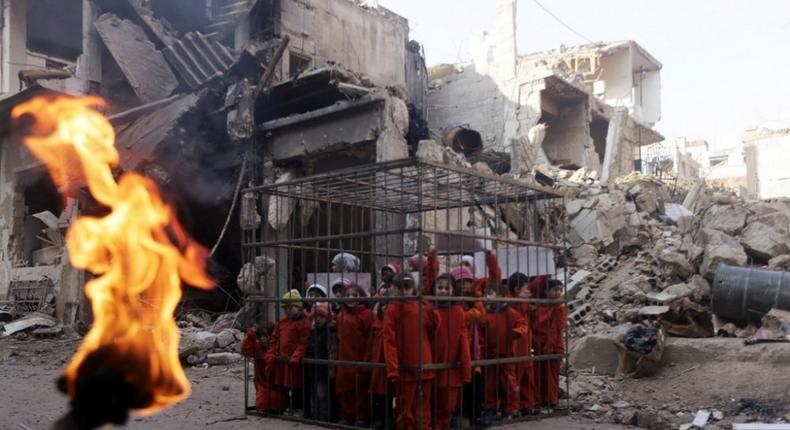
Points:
[(766, 157), (313, 85), (598, 101)]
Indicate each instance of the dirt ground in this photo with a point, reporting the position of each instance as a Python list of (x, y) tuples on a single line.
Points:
[(29, 368)]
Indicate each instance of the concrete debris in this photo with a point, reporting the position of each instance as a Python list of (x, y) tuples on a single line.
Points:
[(781, 262), (28, 322), (763, 241), (251, 273), (143, 65), (728, 219), (701, 418), (725, 252), (223, 358), (281, 208)]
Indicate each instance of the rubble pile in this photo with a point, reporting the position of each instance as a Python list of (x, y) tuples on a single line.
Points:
[(208, 343)]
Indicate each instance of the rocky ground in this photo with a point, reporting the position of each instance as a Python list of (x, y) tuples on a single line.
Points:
[(28, 369)]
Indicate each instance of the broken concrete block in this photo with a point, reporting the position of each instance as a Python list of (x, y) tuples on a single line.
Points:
[(142, 64), (726, 218), (763, 241), (584, 254), (722, 253), (28, 322), (644, 197), (573, 207), (781, 262), (653, 311), (575, 283), (595, 351), (675, 263), (223, 358), (430, 150), (225, 338), (700, 288), (580, 314)]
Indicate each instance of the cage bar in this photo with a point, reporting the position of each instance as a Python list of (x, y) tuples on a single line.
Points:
[(435, 218)]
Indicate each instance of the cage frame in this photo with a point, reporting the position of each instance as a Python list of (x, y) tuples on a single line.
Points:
[(419, 187)]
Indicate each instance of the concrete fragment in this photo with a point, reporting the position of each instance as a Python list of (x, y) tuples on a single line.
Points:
[(781, 262), (580, 314), (675, 263), (725, 218), (575, 283), (572, 207), (652, 311), (584, 254), (430, 150), (722, 253), (225, 338), (223, 358), (28, 322), (701, 418), (763, 241), (596, 351), (142, 64)]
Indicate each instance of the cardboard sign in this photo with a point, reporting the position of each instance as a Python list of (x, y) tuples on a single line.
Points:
[(529, 260), (462, 244)]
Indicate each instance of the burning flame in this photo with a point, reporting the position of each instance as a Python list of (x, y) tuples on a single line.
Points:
[(138, 251)]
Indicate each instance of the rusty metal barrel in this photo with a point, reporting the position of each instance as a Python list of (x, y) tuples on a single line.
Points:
[(743, 293)]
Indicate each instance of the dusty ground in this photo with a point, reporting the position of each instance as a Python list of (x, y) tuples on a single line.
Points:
[(29, 368)]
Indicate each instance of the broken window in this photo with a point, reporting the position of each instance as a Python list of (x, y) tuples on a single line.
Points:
[(599, 127), (54, 28), (39, 206), (298, 64)]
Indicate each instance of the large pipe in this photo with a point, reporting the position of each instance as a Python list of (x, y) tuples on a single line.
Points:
[(746, 294)]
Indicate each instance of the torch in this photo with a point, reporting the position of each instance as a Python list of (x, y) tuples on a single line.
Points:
[(139, 254)]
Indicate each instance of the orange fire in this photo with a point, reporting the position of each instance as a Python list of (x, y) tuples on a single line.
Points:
[(138, 251)]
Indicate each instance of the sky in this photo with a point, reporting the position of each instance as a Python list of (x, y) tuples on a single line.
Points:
[(726, 66)]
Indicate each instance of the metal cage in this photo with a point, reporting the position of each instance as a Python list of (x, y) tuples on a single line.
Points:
[(393, 212)]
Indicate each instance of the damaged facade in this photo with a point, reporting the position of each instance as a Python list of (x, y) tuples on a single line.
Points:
[(189, 91), (766, 158), (598, 101)]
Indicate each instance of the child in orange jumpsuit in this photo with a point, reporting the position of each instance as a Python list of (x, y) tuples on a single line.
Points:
[(549, 335), (475, 316), (322, 377), (504, 326), (519, 285), (380, 388), (352, 384), (288, 345), (256, 341), (409, 327), (450, 346)]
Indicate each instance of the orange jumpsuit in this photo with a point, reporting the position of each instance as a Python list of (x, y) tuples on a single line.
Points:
[(352, 383), (408, 330), (290, 340), (549, 338), (267, 397), (451, 346), (504, 327), (524, 371), (379, 384)]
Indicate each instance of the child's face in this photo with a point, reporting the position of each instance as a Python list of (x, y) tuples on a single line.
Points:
[(336, 269), (554, 293), (443, 288), (320, 321), (491, 294), (387, 274), (292, 310), (466, 287), (408, 290), (351, 293), (523, 292), (313, 294)]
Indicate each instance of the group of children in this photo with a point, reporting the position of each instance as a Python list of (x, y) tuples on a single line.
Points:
[(454, 352)]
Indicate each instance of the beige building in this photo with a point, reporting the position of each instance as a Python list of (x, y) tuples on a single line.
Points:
[(599, 101)]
